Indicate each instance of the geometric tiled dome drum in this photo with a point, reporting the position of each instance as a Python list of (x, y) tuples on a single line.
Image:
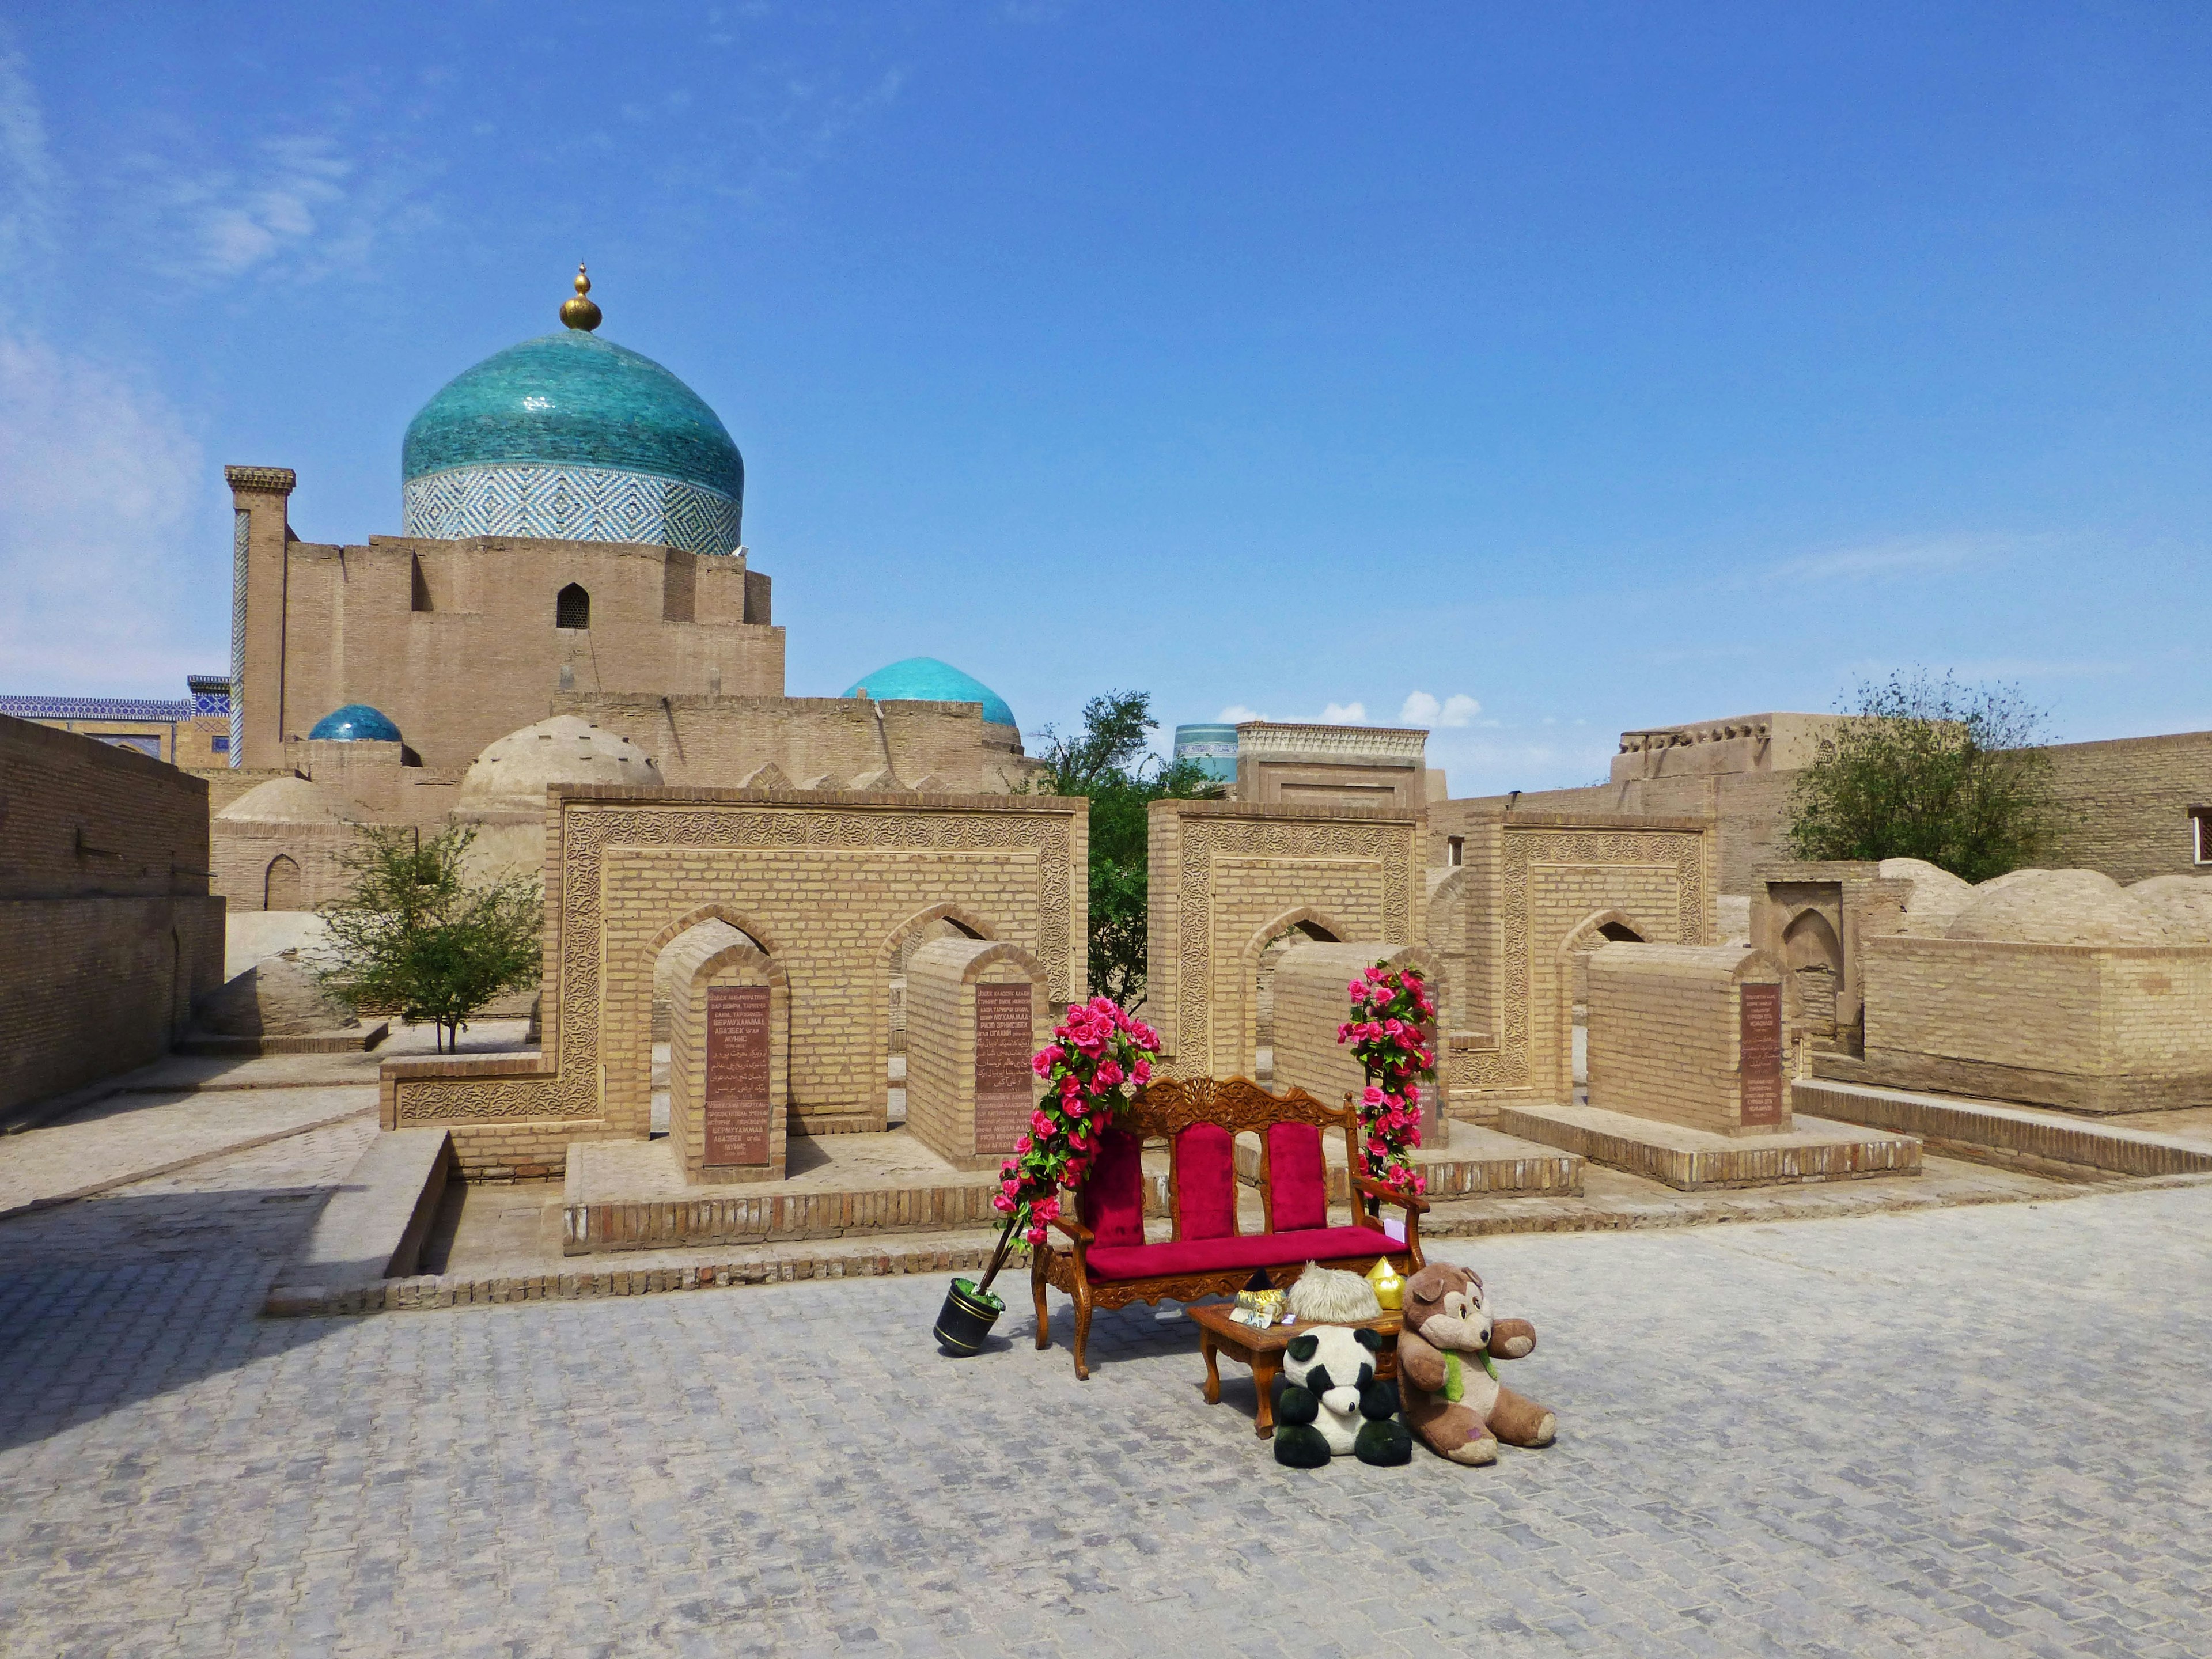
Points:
[(573, 438)]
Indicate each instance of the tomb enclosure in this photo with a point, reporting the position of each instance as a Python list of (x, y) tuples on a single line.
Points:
[(1689, 1034), (826, 884), (729, 1057), (1533, 893), (1230, 878), (1311, 1002), (976, 1011)]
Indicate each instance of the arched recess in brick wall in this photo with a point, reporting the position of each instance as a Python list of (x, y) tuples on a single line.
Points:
[(1590, 933), (675, 952), (1814, 958), (1263, 953), (936, 921), (281, 888), (572, 607)]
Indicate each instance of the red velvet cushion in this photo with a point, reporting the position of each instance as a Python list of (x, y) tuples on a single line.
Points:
[(1297, 1179), (1113, 1197), (1242, 1254), (1205, 1182)]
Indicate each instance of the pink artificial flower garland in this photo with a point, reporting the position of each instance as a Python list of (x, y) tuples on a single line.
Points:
[(1389, 1007), (1098, 1058)]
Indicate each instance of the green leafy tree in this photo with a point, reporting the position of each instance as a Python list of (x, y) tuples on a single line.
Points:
[(414, 937), (1931, 769), (1109, 762)]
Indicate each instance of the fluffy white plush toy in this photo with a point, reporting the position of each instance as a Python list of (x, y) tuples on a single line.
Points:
[(1333, 1403)]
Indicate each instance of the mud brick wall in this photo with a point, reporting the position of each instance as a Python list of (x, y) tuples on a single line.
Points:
[(2102, 1029), (107, 929)]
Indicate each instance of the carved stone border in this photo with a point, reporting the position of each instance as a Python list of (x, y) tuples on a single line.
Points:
[(588, 826)]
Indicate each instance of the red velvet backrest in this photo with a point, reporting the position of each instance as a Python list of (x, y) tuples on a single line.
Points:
[(1297, 1178), (1112, 1202), (1206, 1182)]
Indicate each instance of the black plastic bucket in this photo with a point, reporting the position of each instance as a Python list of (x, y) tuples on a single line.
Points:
[(965, 1320)]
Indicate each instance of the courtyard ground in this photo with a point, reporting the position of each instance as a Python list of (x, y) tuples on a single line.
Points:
[(1984, 1430)]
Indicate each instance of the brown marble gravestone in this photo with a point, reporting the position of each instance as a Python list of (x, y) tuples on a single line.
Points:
[(737, 1108), (976, 1010), (1759, 1051)]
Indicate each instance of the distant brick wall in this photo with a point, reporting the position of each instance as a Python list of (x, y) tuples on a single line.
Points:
[(107, 930), (2124, 804)]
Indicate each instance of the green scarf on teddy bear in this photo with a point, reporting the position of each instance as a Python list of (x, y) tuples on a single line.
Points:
[(1455, 1384)]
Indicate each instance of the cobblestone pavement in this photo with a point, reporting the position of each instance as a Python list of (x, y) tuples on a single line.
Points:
[(1979, 1430)]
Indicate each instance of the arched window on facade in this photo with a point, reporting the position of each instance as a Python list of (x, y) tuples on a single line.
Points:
[(280, 887), (572, 607)]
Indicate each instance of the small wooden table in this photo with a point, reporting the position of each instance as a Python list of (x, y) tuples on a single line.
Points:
[(1262, 1350)]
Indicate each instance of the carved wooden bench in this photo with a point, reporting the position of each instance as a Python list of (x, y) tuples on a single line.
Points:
[(1110, 1265)]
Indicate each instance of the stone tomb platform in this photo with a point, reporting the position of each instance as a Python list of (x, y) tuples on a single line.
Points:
[(632, 1195), (1690, 1160), (1471, 1163)]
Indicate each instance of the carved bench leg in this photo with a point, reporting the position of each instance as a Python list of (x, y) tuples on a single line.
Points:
[(1036, 1285), (1081, 1329)]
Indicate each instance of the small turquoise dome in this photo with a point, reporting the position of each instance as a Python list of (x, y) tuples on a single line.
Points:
[(572, 399), (924, 679), (355, 723)]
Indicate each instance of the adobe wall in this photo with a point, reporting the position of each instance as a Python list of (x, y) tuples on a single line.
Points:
[(455, 642), (2125, 804), (107, 930), (944, 748), (1539, 889), (1749, 811), (1227, 876), (828, 883), (2089, 1028)]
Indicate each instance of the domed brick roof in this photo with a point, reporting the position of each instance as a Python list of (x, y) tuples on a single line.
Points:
[(924, 679), (512, 773), (2061, 906), (289, 800)]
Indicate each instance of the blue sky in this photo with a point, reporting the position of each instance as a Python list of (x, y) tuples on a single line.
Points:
[(1596, 365)]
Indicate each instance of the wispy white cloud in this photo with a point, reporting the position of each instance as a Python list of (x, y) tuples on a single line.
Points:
[(1344, 714), (1422, 708), (29, 182), (1908, 556), (1237, 712), (97, 476)]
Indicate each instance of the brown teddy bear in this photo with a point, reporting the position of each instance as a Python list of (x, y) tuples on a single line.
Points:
[(1453, 1399)]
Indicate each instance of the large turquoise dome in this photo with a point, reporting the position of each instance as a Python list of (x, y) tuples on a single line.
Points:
[(924, 679), (573, 438)]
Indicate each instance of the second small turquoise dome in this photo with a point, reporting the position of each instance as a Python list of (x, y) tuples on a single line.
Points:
[(924, 679), (355, 723)]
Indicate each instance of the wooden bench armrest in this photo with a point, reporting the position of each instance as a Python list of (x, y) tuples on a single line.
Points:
[(1405, 1200), (1083, 1235)]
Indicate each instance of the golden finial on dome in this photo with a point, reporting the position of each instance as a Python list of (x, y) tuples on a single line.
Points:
[(581, 313)]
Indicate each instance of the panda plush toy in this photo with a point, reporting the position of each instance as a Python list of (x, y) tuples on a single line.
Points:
[(1332, 1402)]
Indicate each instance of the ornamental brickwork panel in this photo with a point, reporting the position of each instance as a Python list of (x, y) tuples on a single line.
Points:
[(826, 884), (1227, 878)]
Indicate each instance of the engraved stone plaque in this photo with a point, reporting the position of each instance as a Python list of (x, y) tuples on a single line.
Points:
[(1760, 1056), (737, 1098), (1003, 1095)]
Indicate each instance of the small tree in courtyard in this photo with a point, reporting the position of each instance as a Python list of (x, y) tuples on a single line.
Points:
[(1106, 761), (1929, 769), (415, 937)]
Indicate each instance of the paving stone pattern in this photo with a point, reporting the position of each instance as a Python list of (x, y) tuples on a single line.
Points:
[(1965, 1431)]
